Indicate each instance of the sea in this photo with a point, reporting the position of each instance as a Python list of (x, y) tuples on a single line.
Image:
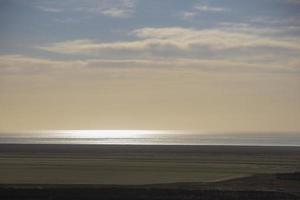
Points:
[(149, 137)]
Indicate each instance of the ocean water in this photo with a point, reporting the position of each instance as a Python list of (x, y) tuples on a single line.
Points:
[(149, 137)]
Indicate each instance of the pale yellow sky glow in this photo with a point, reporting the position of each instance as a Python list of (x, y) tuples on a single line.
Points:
[(117, 65), (172, 99)]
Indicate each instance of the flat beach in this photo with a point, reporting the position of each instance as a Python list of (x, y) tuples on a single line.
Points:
[(139, 164)]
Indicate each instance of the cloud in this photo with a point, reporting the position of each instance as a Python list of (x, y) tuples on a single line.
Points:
[(116, 12), (67, 20), (114, 8), (49, 9), (202, 8), (179, 39), (293, 1), (230, 46), (291, 23), (124, 9), (20, 64), (27, 65), (189, 15), (206, 8), (110, 8)]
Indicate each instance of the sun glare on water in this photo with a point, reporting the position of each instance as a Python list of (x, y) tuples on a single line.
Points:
[(106, 133)]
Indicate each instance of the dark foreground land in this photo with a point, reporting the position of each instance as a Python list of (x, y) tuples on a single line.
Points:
[(140, 194), (275, 186), (148, 172)]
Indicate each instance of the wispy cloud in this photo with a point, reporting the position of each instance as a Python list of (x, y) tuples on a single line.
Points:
[(116, 12), (202, 8), (229, 44), (284, 24), (27, 65), (207, 8), (115, 8), (20, 64), (188, 15), (293, 1), (183, 39), (124, 9), (49, 9), (110, 8)]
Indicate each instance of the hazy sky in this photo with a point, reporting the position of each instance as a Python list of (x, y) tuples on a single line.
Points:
[(209, 66)]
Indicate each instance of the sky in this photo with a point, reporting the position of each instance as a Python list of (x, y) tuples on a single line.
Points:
[(194, 65)]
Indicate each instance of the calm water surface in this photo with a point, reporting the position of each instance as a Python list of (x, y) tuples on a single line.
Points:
[(150, 137)]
